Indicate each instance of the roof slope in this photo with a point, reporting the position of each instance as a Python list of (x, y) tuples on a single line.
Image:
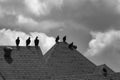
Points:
[(84, 77), (99, 69), (27, 64), (65, 61)]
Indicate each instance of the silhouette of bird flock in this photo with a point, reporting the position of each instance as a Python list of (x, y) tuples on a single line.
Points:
[(8, 50), (36, 42)]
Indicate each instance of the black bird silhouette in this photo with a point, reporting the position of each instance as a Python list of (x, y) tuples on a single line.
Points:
[(57, 39), (74, 46), (36, 41), (71, 45), (28, 41), (17, 41), (64, 39)]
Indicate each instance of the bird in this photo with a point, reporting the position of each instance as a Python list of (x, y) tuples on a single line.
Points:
[(64, 39), (71, 45), (74, 46), (28, 41), (36, 41), (17, 41), (57, 39)]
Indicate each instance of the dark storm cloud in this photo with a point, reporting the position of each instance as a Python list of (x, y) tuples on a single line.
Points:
[(94, 14), (28, 15)]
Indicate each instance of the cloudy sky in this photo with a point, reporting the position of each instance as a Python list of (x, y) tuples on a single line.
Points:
[(93, 25)]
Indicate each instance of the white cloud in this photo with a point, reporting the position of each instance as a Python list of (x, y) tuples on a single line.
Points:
[(30, 23), (104, 48), (39, 7), (36, 6), (101, 40), (8, 38), (25, 20)]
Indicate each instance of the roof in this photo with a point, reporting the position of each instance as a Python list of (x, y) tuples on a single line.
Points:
[(84, 77), (66, 61), (100, 67), (26, 65), (2, 77)]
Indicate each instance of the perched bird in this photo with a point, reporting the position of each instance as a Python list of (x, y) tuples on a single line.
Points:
[(64, 39), (36, 41), (71, 45), (17, 41), (74, 46), (57, 39), (28, 41)]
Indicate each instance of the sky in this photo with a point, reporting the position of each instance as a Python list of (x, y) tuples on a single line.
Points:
[(93, 25)]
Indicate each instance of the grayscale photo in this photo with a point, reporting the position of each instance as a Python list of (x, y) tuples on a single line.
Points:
[(59, 39)]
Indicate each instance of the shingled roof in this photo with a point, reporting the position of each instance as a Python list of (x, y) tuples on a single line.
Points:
[(65, 61), (59, 63), (99, 68), (27, 64)]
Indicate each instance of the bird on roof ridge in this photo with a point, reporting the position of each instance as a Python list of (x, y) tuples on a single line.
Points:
[(28, 41), (64, 39), (57, 39)]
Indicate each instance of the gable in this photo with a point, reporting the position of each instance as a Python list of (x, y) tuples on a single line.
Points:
[(27, 64), (99, 69), (66, 61)]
